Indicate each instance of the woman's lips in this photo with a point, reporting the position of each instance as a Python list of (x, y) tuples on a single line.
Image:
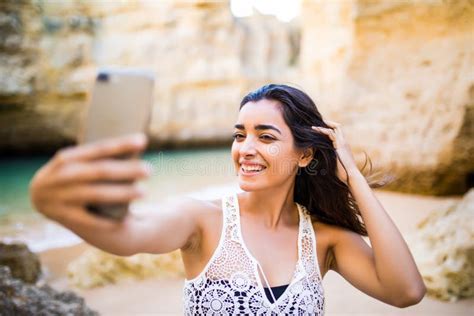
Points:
[(251, 169)]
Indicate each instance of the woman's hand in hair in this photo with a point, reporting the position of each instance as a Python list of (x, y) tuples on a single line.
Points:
[(346, 164)]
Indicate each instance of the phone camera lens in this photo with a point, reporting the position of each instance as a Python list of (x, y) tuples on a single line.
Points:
[(103, 77)]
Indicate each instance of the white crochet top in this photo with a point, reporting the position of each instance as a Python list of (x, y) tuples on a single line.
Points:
[(230, 283)]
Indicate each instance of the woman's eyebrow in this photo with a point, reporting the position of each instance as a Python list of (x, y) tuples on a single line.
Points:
[(259, 127)]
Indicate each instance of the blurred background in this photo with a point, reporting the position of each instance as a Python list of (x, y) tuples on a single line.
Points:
[(397, 74)]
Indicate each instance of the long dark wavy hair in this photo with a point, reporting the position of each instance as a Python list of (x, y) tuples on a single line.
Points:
[(317, 186)]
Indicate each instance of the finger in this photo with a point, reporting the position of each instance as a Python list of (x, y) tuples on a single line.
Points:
[(332, 124), (101, 194), (130, 144), (324, 130), (336, 127), (104, 170), (338, 131), (330, 133)]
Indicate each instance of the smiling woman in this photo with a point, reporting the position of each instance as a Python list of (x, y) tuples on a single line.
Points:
[(303, 210), (326, 195)]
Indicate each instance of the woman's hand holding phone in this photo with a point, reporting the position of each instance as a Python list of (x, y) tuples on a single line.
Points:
[(89, 174)]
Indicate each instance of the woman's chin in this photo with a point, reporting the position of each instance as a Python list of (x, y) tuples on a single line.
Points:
[(247, 186)]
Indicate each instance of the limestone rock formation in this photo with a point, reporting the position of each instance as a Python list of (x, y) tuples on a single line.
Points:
[(397, 74), (399, 77), (18, 298), (443, 248), (97, 268), (41, 75), (23, 263), (204, 60)]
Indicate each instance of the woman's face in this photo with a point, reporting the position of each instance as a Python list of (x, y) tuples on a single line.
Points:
[(263, 149)]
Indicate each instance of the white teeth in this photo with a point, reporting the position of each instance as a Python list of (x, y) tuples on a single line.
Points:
[(252, 168)]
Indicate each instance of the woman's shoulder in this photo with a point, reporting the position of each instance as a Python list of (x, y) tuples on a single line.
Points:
[(327, 237), (329, 233), (200, 205), (207, 214), (197, 208)]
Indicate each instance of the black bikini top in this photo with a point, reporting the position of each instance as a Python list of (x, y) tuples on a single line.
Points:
[(277, 292)]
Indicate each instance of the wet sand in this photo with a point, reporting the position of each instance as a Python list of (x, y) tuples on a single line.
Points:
[(164, 296)]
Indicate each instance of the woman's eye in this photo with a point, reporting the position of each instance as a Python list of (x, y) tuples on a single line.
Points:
[(267, 137), (237, 136)]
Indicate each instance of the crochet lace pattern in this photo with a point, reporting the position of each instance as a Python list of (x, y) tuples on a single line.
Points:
[(230, 283)]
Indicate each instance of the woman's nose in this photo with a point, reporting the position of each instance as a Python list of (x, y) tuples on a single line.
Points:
[(247, 147)]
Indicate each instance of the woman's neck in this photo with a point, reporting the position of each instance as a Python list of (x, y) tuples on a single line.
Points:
[(273, 207)]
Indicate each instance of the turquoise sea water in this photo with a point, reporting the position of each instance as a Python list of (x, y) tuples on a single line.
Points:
[(15, 175), (205, 173)]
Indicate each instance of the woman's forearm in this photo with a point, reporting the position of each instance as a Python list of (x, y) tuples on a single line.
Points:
[(395, 266)]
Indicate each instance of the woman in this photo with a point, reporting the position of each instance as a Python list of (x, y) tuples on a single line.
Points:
[(255, 252)]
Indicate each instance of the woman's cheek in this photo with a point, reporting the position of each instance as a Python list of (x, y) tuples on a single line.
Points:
[(286, 165), (273, 150)]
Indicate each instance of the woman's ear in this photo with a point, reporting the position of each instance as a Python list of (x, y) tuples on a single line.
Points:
[(306, 157)]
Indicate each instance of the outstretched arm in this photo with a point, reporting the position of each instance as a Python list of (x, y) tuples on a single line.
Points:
[(85, 174)]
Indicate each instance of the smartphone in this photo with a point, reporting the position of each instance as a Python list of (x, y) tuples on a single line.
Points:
[(120, 104)]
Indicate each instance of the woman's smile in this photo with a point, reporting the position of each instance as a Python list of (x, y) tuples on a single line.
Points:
[(251, 169)]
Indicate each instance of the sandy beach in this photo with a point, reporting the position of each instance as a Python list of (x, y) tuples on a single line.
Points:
[(164, 296)]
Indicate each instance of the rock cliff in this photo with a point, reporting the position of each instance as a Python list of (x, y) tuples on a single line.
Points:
[(399, 77), (443, 247), (203, 58), (397, 74)]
